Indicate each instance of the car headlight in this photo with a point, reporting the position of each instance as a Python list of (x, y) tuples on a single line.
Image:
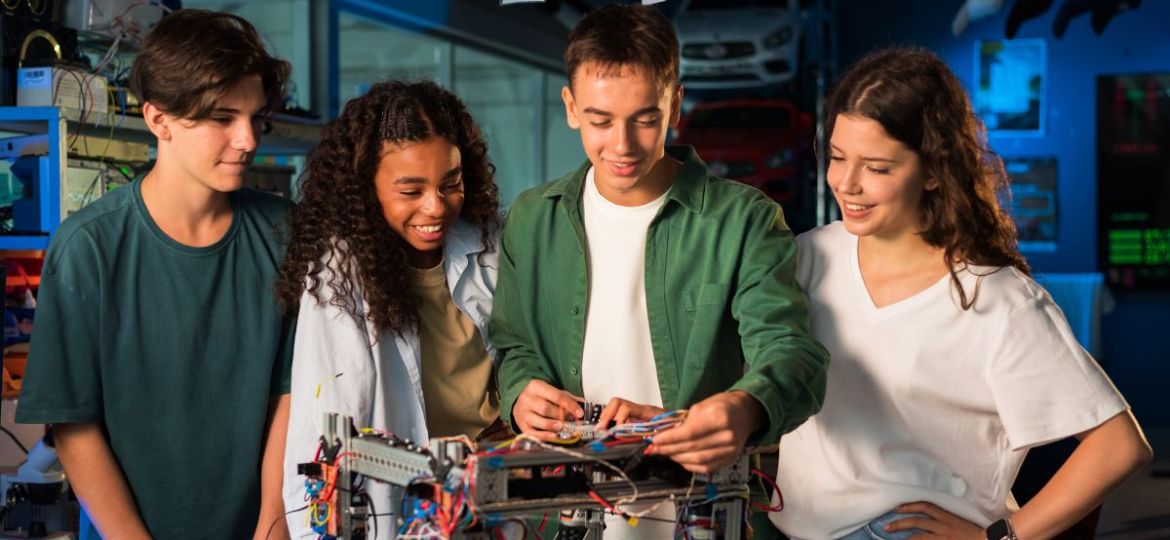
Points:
[(778, 38), (780, 159)]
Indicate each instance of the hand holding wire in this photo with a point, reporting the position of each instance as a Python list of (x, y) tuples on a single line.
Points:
[(542, 409), (620, 411), (713, 434)]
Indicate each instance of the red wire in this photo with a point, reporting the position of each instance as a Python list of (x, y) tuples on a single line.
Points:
[(625, 440), (470, 475), (543, 522), (333, 485), (775, 489), (458, 503), (604, 503)]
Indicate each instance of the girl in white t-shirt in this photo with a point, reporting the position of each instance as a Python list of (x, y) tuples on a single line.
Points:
[(948, 361)]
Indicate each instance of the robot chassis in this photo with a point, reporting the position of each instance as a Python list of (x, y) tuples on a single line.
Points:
[(511, 485)]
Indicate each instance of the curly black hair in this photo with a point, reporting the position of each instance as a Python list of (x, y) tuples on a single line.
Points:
[(339, 223)]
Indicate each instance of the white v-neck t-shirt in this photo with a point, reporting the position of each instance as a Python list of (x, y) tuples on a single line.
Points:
[(618, 357), (926, 401)]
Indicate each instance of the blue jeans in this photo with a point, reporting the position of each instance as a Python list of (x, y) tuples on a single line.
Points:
[(875, 530)]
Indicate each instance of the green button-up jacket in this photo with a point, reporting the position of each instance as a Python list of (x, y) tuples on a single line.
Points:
[(725, 311)]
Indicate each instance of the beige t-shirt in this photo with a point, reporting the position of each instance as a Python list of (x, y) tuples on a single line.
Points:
[(458, 381)]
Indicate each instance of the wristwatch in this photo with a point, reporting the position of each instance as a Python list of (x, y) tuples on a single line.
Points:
[(1001, 530)]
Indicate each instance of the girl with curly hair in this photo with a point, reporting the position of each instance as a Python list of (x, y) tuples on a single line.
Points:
[(391, 270), (949, 361)]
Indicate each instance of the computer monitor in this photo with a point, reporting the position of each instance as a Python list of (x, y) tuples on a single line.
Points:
[(1133, 180)]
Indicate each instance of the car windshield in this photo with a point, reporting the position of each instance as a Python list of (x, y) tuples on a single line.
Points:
[(740, 118), (704, 5)]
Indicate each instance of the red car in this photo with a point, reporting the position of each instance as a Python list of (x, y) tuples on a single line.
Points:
[(761, 142)]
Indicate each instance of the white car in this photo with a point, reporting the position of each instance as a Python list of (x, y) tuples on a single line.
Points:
[(738, 43)]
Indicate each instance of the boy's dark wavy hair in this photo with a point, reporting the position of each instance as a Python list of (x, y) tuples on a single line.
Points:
[(339, 222), (193, 57), (920, 102)]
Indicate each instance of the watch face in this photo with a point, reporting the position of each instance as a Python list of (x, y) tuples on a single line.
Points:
[(998, 531)]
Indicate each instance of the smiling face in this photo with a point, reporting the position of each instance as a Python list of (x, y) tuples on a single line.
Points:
[(420, 187), (624, 116), (877, 180), (216, 151)]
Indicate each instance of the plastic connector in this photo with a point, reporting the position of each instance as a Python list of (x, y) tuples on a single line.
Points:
[(309, 469)]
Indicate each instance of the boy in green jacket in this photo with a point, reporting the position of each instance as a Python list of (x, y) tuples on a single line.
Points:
[(641, 281)]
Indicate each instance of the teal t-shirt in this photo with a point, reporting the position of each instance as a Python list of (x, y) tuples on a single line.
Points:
[(175, 350)]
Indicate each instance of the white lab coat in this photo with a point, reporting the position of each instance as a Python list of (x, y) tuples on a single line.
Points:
[(378, 384)]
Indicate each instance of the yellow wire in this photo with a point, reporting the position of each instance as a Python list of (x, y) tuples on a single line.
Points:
[(325, 379)]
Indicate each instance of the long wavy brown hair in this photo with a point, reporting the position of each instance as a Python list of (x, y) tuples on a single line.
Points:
[(920, 102), (339, 223)]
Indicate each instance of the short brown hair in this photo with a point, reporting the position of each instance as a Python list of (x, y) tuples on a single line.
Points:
[(616, 35), (193, 57)]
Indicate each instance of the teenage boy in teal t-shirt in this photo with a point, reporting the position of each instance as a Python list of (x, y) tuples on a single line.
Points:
[(159, 354)]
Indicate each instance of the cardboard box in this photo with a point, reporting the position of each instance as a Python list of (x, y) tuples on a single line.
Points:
[(62, 87)]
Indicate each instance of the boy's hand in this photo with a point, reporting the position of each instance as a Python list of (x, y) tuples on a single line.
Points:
[(713, 434), (541, 409), (620, 411)]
